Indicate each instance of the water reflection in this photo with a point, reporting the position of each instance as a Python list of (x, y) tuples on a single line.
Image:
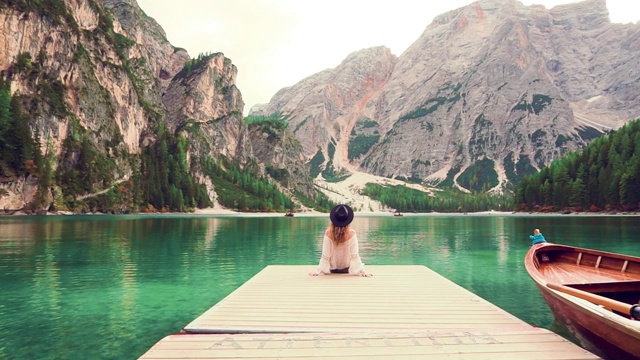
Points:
[(110, 287), (211, 232)]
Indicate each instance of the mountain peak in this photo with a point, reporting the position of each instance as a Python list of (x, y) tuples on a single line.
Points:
[(478, 11), (377, 51), (584, 15), (488, 93)]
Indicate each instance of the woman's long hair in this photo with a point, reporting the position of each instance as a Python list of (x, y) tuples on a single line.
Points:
[(339, 233)]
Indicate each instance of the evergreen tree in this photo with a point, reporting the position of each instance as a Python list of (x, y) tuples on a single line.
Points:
[(5, 122), (547, 193), (576, 198), (604, 175), (630, 184)]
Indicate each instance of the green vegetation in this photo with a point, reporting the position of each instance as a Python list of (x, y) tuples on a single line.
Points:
[(516, 171), (320, 203), (329, 173), (19, 152), (141, 79), (85, 176), (280, 175), (82, 167), (166, 182), (53, 93), (119, 199), (431, 105), (448, 181), (195, 64), (561, 141), (24, 62), (79, 54), (361, 144), (589, 133), (481, 176), (367, 123), (315, 163), (46, 176), (122, 43), (273, 124), (538, 103), (406, 199), (482, 130), (119, 42), (605, 175), (104, 35), (301, 124), (49, 90), (411, 179), (92, 172), (364, 135), (243, 188), (418, 167), (537, 136), (161, 181), (426, 108), (53, 10)]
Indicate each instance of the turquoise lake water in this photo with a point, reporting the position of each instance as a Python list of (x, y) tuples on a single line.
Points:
[(109, 287)]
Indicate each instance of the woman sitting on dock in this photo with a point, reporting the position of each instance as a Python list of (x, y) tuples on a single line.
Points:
[(340, 246)]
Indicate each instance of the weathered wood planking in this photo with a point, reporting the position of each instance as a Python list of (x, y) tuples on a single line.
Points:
[(570, 273), (286, 299), (468, 345), (402, 312)]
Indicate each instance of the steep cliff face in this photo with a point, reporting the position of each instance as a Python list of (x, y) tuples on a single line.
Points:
[(325, 107), (95, 80), (150, 42), (281, 155), (204, 96), (488, 93)]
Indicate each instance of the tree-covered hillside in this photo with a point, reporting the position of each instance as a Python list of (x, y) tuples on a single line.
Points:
[(605, 175), (405, 199), (83, 179), (19, 152)]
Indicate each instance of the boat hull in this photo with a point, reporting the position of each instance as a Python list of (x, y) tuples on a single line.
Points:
[(601, 339), (598, 331)]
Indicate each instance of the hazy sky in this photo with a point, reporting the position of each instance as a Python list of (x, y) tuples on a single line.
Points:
[(276, 43)]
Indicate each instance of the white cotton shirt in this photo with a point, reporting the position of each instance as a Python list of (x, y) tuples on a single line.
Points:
[(340, 256)]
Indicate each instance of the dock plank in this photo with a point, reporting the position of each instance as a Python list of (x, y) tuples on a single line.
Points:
[(402, 312), (286, 299), (532, 344)]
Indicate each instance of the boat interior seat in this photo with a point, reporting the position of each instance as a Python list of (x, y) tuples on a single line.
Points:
[(627, 291)]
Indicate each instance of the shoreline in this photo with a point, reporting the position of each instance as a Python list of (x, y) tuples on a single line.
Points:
[(220, 211)]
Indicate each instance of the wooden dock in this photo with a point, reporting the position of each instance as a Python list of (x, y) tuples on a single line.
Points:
[(402, 312)]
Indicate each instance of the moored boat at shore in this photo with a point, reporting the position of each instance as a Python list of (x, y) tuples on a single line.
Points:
[(593, 293)]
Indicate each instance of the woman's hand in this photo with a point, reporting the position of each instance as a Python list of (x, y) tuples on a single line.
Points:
[(315, 274), (364, 274)]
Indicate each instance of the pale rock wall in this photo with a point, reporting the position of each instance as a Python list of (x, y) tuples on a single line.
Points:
[(116, 89), (493, 80)]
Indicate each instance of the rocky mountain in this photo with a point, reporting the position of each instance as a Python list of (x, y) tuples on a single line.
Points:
[(487, 94), (100, 113), (123, 119)]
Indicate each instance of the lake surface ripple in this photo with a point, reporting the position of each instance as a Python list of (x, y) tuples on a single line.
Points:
[(109, 287)]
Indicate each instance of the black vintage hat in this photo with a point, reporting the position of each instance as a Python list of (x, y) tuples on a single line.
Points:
[(341, 215)]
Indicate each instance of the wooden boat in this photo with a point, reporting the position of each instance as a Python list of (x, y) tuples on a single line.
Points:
[(289, 214), (397, 214), (594, 294)]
